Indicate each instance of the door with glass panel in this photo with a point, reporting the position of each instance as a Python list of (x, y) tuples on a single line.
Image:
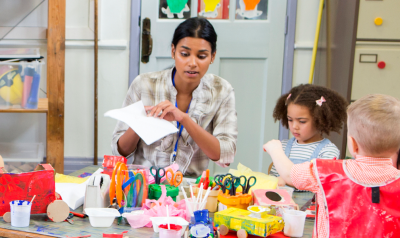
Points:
[(249, 55)]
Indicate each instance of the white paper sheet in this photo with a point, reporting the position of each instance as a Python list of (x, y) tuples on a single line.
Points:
[(72, 193), (150, 129)]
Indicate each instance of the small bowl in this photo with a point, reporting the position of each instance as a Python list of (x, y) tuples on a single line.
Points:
[(102, 217), (172, 220)]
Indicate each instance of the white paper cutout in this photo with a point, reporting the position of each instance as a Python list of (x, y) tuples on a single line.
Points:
[(149, 129), (247, 14), (169, 14)]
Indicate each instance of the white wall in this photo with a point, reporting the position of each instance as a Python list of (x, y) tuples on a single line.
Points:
[(112, 84), (79, 77), (306, 20)]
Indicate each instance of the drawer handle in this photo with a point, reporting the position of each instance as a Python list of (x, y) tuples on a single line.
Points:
[(381, 64), (378, 21)]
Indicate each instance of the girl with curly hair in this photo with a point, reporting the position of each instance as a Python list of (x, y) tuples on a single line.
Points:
[(310, 112)]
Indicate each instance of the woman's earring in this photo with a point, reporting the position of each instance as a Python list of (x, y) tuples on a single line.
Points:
[(211, 62)]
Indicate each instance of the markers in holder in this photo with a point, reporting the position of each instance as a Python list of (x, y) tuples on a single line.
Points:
[(28, 78), (33, 97)]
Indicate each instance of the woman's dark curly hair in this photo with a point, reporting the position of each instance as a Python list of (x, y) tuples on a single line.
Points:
[(328, 117)]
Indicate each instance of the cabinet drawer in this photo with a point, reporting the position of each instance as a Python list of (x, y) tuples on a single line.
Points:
[(375, 12), (376, 70)]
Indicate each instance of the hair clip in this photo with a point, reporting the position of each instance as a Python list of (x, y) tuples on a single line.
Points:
[(288, 98), (320, 101)]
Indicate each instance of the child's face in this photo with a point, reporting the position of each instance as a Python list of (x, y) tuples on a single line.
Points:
[(301, 124)]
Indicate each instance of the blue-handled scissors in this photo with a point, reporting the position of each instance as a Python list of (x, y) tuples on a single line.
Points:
[(243, 184), (249, 185), (157, 176), (235, 185), (231, 184)]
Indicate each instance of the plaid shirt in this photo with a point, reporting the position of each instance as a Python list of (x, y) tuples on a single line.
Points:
[(366, 170), (212, 108)]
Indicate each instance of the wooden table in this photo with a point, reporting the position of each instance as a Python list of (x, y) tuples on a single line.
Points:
[(41, 226)]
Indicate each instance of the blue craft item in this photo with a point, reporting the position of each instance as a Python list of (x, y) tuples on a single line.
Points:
[(33, 97), (201, 216), (132, 194)]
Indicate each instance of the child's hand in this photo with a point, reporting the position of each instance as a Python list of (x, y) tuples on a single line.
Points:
[(281, 182), (272, 145)]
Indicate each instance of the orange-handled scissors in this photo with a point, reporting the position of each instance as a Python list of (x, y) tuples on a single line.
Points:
[(176, 178)]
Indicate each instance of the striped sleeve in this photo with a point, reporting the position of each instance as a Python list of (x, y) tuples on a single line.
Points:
[(273, 170), (330, 151)]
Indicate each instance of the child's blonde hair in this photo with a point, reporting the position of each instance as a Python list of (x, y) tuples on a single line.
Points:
[(374, 122)]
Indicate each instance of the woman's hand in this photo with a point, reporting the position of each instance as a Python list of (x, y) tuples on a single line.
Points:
[(272, 146), (281, 182), (169, 111)]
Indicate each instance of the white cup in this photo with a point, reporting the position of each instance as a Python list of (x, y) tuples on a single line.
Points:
[(294, 223), (20, 213)]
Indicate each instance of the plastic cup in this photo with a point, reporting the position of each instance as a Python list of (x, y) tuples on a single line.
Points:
[(20, 213), (174, 232), (294, 223), (193, 205)]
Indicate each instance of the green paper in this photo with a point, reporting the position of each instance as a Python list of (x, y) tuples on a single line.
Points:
[(176, 6)]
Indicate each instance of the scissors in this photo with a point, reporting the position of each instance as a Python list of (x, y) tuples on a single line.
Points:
[(219, 181), (176, 178), (236, 184), (249, 185), (232, 184), (244, 183), (157, 176)]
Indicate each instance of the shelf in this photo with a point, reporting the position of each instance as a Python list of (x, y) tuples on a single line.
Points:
[(43, 106)]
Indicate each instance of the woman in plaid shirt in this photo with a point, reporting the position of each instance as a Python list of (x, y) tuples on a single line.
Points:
[(201, 105)]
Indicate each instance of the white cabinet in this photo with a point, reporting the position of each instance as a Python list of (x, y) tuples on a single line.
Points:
[(379, 19), (376, 69)]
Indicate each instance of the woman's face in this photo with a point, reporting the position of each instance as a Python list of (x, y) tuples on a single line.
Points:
[(192, 58)]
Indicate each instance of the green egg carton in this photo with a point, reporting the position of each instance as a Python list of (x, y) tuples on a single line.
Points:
[(155, 191)]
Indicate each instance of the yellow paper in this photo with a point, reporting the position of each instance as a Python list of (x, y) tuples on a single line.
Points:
[(211, 5), (62, 178), (264, 181)]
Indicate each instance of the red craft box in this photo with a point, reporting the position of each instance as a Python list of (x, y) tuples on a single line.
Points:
[(23, 186)]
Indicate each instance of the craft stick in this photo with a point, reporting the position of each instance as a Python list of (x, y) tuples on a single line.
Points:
[(187, 202), (199, 193), (168, 218), (204, 202), (33, 199), (191, 191), (199, 196)]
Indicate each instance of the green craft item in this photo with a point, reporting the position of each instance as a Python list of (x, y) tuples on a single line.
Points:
[(139, 198), (176, 6), (130, 197), (155, 191)]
